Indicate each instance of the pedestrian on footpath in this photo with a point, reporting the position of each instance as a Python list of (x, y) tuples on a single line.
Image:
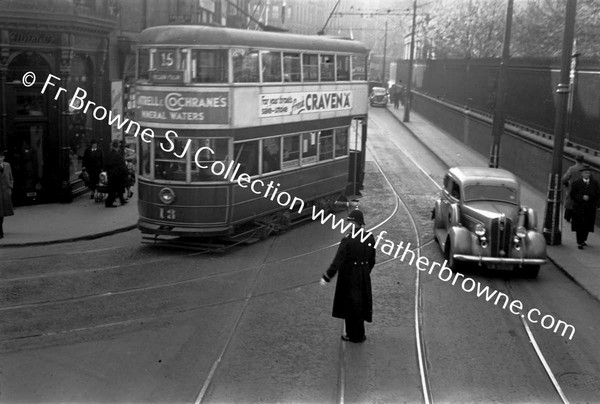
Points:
[(117, 174), (571, 175), (6, 186), (93, 161), (585, 193), (353, 263)]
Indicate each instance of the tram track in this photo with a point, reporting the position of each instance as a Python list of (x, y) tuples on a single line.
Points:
[(509, 290)]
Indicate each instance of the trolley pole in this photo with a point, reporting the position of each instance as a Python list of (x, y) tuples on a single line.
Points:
[(500, 108), (552, 219), (408, 92)]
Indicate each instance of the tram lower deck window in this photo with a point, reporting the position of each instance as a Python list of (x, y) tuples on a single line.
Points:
[(341, 142)]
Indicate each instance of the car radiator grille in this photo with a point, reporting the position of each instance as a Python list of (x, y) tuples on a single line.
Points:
[(501, 236)]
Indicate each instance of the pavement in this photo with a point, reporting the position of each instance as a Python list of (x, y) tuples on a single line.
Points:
[(86, 219), (82, 219)]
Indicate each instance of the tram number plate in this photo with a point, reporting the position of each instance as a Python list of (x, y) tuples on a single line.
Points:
[(167, 213)]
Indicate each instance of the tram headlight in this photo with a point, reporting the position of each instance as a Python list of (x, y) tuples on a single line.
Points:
[(166, 196)]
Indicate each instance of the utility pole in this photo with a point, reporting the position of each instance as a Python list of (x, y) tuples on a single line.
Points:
[(500, 107), (552, 219), (384, 52), (408, 92)]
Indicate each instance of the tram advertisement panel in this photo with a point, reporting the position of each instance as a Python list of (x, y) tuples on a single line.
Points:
[(180, 106), (280, 104)]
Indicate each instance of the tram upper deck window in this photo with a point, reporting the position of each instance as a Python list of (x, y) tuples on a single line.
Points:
[(327, 68), (291, 151), (359, 67), (204, 157), (209, 66), (291, 67), (271, 155), (343, 68), (246, 154), (341, 142), (326, 145), (245, 66), (271, 66), (143, 63), (310, 67)]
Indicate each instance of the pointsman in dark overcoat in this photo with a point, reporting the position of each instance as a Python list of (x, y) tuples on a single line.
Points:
[(353, 262), (585, 193)]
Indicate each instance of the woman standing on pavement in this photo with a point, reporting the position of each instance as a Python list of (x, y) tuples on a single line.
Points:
[(6, 186)]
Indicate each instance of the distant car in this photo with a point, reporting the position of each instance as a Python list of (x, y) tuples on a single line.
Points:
[(478, 219), (379, 96)]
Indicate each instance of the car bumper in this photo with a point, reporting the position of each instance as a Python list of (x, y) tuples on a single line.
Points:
[(499, 260)]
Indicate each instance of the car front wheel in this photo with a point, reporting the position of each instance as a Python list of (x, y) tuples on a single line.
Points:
[(531, 271), (453, 264)]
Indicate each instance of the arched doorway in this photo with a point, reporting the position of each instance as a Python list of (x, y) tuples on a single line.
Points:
[(28, 142)]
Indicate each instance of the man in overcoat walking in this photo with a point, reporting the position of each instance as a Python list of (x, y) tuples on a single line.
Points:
[(6, 186), (117, 172), (571, 175), (93, 161), (353, 262), (585, 193)]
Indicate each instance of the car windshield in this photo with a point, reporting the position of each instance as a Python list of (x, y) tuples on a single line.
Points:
[(490, 193), (378, 91)]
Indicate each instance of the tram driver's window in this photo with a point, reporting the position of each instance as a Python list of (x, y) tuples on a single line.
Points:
[(246, 155), (209, 66), (245, 66), (342, 65), (143, 63), (359, 67), (271, 155), (310, 67), (326, 145), (341, 142), (166, 165), (309, 147), (271, 66), (291, 151), (291, 67), (327, 68)]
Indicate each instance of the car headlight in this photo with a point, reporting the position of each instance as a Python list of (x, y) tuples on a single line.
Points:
[(521, 232), (167, 196), (479, 229)]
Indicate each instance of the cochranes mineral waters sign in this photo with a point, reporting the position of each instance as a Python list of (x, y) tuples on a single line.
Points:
[(192, 107), (303, 103)]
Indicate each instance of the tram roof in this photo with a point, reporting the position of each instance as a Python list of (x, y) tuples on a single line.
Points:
[(189, 35)]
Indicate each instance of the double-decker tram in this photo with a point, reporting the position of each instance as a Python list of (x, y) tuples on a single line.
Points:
[(245, 130)]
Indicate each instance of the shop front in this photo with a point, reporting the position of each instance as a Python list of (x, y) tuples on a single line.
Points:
[(43, 138)]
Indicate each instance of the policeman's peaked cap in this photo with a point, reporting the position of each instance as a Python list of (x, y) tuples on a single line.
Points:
[(357, 217)]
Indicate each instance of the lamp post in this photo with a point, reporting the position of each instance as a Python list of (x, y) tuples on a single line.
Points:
[(500, 107), (552, 219), (408, 97)]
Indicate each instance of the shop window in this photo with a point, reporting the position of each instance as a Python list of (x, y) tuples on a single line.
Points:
[(31, 103), (271, 66), (205, 158), (310, 67), (342, 64), (245, 66), (326, 145), (271, 155), (341, 142), (246, 154), (291, 151), (209, 66), (291, 67), (309, 147), (327, 68)]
